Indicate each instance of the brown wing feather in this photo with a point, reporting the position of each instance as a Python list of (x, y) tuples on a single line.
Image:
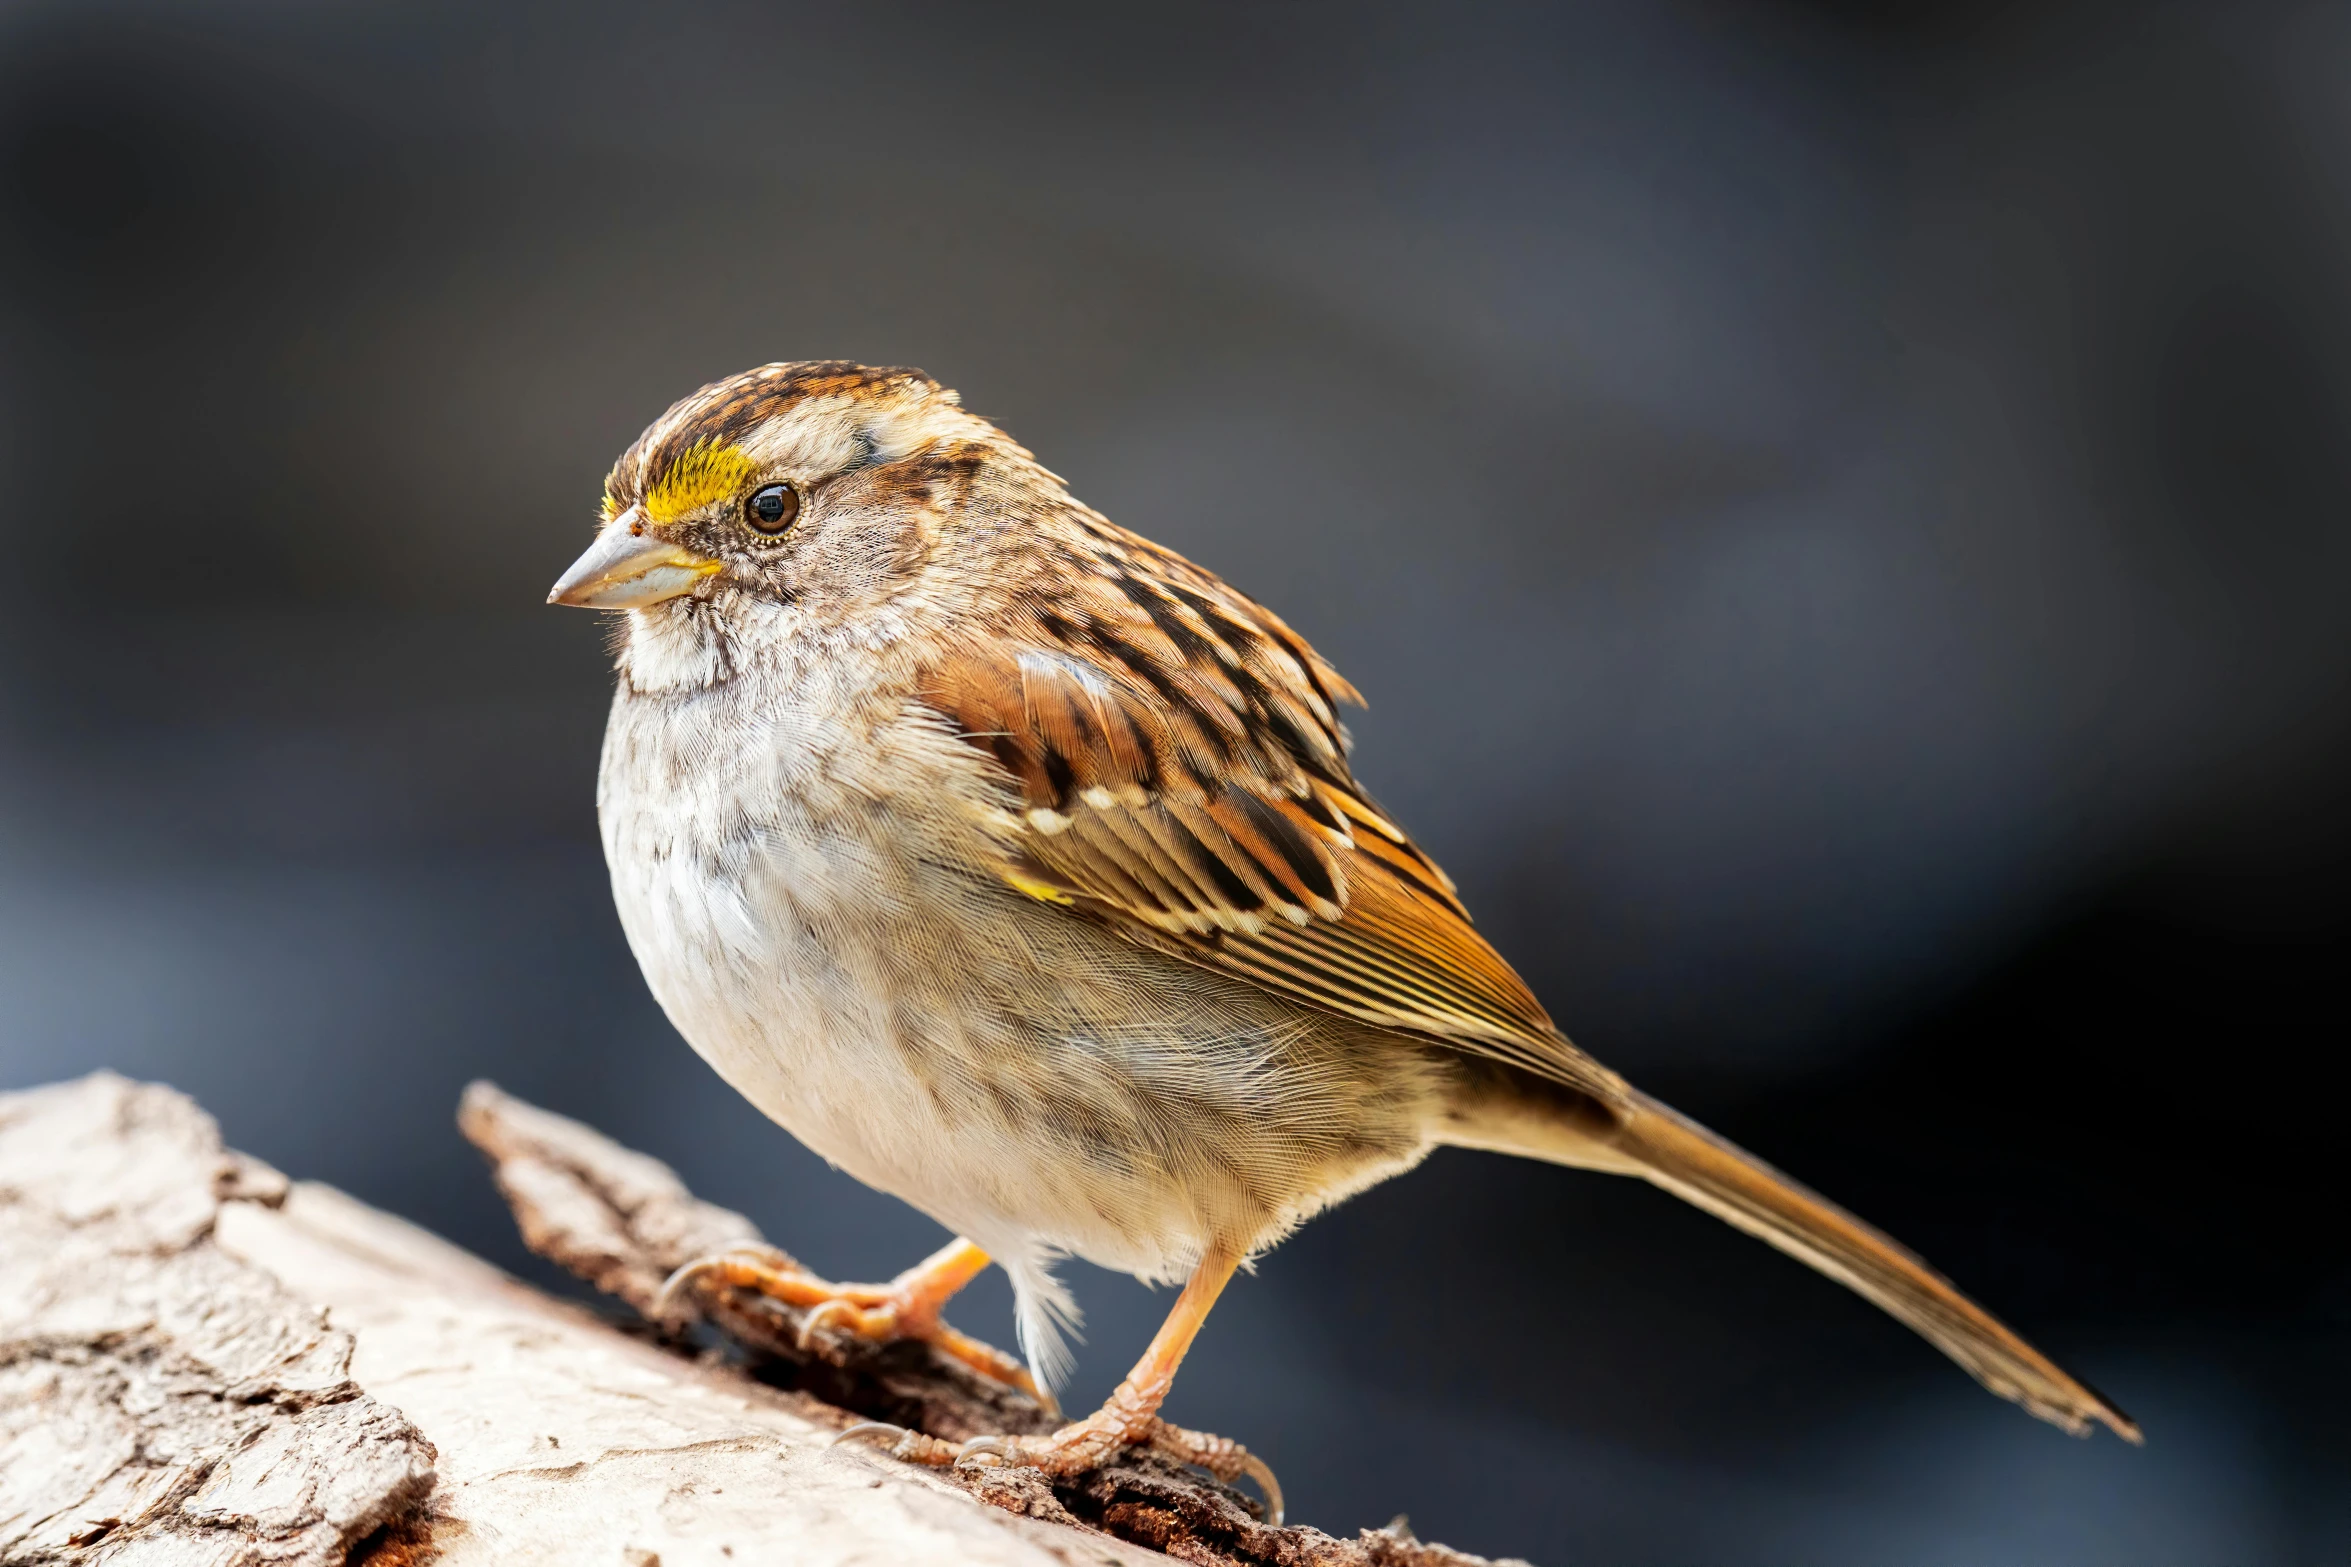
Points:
[(1182, 774)]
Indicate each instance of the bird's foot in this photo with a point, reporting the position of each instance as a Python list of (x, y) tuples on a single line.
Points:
[(1085, 1445), (908, 1307)]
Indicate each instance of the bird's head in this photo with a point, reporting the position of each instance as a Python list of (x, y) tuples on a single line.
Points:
[(819, 482)]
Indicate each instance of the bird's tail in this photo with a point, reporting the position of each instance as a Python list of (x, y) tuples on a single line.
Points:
[(1666, 1148)]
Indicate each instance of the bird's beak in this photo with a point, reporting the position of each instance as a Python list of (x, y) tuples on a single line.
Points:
[(628, 568)]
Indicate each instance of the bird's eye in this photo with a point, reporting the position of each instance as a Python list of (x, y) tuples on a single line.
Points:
[(772, 509)]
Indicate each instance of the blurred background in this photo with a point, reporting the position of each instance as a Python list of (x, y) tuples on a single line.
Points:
[(1840, 512)]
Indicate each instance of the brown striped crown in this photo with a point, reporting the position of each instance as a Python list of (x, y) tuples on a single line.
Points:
[(693, 448)]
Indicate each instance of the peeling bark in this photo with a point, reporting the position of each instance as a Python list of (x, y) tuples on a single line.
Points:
[(161, 1401)]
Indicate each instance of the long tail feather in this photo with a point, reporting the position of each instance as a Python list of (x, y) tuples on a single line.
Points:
[(1671, 1151)]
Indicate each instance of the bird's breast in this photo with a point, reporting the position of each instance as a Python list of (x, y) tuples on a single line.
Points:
[(814, 906)]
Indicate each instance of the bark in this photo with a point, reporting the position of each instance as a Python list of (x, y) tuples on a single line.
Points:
[(202, 1363), (161, 1400)]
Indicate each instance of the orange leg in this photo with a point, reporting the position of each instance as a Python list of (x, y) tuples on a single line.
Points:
[(1131, 1416), (908, 1306)]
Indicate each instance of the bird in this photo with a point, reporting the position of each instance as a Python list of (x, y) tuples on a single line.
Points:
[(1018, 867)]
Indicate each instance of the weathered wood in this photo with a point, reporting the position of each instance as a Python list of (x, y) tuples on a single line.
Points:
[(162, 1401), (172, 1391), (565, 1441)]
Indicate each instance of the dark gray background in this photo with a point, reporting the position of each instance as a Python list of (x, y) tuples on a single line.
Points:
[(1840, 512)]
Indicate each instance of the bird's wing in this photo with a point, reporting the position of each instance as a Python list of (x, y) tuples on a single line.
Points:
[(1181, 774), (1178, 772)]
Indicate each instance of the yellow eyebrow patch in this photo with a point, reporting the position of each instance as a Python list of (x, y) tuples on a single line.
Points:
[(702, 473)]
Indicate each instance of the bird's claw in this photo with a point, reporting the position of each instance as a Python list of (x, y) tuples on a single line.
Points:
[(868, 1428), (822, 1314), (1226, 1460), (1260, 1472), (998, 1447), (906, 1308), (914, 1447), (668, 1300)]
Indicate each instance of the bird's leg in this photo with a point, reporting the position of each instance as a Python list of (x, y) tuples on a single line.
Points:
[(1130, 1418), (908, 1306)]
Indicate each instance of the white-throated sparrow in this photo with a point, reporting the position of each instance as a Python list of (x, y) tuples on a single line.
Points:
[(1016, 865)]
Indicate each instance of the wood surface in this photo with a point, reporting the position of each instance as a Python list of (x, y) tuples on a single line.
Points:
[(203, 1363)]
